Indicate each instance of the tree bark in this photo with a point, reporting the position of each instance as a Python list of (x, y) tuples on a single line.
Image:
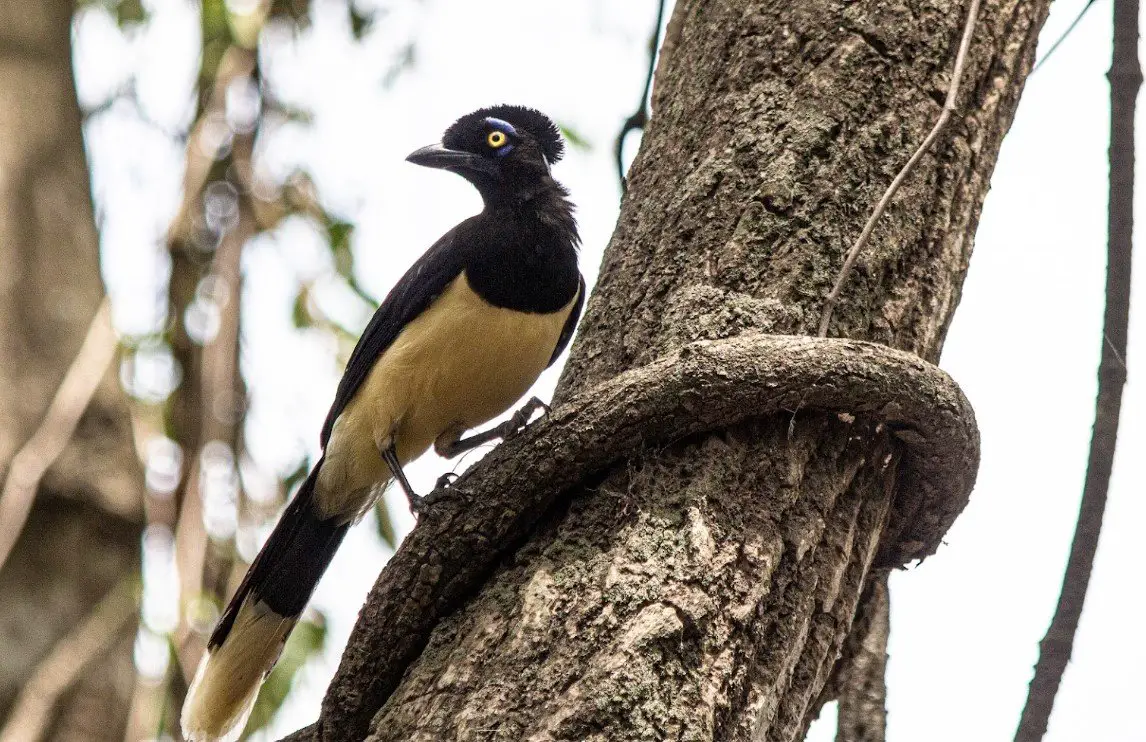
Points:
[(858, 680), (702, 586), (82, 536)]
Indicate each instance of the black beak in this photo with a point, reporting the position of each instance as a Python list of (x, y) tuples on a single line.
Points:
[(450, 159)]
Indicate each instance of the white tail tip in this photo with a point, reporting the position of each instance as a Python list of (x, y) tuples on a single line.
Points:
[(227, 682)]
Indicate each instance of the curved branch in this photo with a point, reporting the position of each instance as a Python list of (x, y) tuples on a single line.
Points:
[(640, 116), (707, 385)]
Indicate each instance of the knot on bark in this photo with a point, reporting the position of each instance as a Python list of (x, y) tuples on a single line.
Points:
[(705, 386)]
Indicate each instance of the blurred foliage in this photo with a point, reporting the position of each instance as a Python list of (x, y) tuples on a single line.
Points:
[(338, 235), (228, 197), (127, 13), (360, 22), (386, 530), (576, 139)]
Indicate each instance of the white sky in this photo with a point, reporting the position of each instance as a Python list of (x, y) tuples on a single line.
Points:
[(1024, 344)]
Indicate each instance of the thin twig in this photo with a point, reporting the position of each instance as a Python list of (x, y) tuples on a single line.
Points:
[(1058, 644), (1060, 39), (944, 117), (59, 423), (56, 673), (640, 117)]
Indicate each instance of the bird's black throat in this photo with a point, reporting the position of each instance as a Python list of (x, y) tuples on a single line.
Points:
[(523, 253)]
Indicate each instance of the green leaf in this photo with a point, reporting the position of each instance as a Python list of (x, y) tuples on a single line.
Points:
[(129, 12), (360, 22), (301, 311), (305, 641), (296, 476), (289, 111), (574, 137), (403, 61), (385, 524), (338, 235)]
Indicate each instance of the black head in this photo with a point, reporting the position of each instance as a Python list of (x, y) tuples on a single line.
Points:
[(502, 150)]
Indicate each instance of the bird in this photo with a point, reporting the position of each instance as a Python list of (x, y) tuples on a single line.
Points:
[(459, 339)]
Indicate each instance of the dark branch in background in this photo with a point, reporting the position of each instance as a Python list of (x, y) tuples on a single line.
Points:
[(1056, 647), (640, 117), (1069, 30), (944, 117)]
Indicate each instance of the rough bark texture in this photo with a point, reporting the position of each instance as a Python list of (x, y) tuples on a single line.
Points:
[(858, 681), (701, 587), (82, 535), (708, 385)]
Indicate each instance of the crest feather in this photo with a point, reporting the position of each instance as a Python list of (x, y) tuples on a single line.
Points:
[(529, 120)]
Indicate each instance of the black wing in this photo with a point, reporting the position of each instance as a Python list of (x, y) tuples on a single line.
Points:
[(415, 291), (570, 321)]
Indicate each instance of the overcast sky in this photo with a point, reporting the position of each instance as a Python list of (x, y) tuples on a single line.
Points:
[(1024, 344)]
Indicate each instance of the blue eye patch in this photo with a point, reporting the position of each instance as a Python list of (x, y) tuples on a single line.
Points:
[(503, 126)]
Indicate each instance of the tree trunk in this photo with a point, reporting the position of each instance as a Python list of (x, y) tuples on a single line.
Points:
[(701, 585), (82, 536)]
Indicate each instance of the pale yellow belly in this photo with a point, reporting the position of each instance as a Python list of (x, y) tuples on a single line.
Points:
[(459, 364)]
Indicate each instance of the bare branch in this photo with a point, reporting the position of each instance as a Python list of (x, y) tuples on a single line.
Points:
[(217, 365), (56, 673), (1058, 644), (640, 116), (1069, 30), (63, 414), (940, 124)]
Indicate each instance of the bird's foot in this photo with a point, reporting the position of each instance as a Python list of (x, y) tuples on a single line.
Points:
[(519, 420), (420, 504), (445, 480), (443, 489), (449, 446)]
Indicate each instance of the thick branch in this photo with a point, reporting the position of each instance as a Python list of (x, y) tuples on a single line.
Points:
[(706, 386), (858, 681), (618, 617)]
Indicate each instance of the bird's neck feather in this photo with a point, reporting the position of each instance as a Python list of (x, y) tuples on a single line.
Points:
[(525, 252)]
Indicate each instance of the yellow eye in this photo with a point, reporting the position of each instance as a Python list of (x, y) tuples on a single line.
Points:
[(496, 139)]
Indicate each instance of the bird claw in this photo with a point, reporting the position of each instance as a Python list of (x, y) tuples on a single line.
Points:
[(443, 489), (516, 423), (422, 505), (519, 421)]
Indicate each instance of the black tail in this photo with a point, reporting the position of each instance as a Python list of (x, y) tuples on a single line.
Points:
[(291, 562), (249, 636)]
